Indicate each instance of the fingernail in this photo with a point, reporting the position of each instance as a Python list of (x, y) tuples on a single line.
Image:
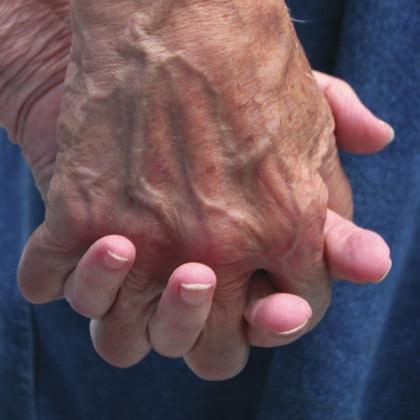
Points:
[(385, 275), (390, 130), (294, 330), (195, 293), (114, 261)]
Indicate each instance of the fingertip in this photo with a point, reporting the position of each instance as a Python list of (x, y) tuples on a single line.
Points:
[(193, 282), (353, 253), (194, 273), (115, 251), (195, 293), (371, 256), (388, 132), (280, 313), (92, 287), (368, 134), (358, 130)]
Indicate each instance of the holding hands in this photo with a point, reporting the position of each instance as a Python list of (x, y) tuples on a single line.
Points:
[(193, 144)]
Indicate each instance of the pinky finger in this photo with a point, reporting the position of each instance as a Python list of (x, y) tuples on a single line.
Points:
[(92, 287)]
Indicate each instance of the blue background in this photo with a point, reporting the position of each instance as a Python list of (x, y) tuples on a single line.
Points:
[(362, 362)]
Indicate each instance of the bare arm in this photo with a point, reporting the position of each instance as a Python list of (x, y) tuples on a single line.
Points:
[(229, 87), (34, 48)]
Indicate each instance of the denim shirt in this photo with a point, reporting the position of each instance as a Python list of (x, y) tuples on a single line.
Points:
[(361, 362)]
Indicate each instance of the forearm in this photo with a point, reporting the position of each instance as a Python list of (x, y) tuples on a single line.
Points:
[(34, 48)]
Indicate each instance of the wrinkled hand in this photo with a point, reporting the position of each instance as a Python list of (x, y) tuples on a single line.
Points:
[(83, 190), (273, 318)]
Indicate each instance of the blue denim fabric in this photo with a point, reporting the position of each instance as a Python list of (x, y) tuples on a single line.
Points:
[(16, 355), (362, 362)]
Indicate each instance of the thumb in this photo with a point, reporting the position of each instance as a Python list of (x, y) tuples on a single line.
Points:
[(357, 129), (353, 253)]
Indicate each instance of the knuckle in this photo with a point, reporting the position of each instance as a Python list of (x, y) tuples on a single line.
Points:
[(342, 84), (171, 350), (82, 307), (114, 356), (213, 372), (32, 293), (229, 239), (115, 360), (311, 206), (34, 290)]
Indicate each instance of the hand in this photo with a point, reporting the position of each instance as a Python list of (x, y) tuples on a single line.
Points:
[(274, 319), (331, 160)]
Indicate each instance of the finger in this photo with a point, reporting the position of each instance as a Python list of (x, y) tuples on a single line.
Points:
[(92, 287), (357, 129), (120, 336), (221, 350), (310, 281), (43, 266), (340, 197), (274, 319), (354, 253), (183, 310)]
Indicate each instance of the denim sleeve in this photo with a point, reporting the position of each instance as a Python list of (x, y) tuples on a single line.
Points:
[(361, 362)]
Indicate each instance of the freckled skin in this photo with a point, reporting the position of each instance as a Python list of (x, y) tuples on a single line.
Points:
[(198, 147), (196, 130)]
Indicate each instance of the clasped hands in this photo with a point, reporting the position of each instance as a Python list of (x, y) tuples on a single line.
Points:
[(195, 202)]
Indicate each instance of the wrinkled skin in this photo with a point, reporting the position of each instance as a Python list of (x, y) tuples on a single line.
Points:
[(31, 95), (242, 190)]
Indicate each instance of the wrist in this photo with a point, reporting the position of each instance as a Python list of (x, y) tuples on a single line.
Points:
[(207, 35), (34, 46)]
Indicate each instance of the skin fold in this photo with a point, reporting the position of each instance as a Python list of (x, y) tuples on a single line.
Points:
[(212, 145)]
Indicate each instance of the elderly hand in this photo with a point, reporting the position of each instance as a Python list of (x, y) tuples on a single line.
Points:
[(192, 150)]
